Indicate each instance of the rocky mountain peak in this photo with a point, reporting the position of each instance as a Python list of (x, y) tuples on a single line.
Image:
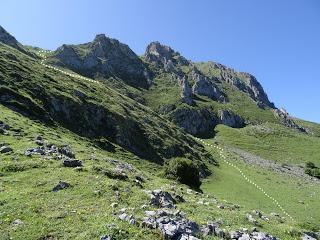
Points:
[(100, 37), (163, 56), (104, 58)]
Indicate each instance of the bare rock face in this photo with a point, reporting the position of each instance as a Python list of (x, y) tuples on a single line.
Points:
[(186, 93), (103, 57), (203, 86), (196, 122), (230, 119), (288, 121), (245, 82), (163, 56)]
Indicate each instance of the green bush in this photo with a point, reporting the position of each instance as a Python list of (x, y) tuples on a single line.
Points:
[(312, 170), (184, 171), (310, 165)]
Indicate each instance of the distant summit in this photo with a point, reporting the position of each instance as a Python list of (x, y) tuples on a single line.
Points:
[(103, 58)]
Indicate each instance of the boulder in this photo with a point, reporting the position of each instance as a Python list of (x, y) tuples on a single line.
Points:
[(235, 234), (251, 219), (66, 151), (61, 185), (5, 149), (72, 163), (162, 199), (105, 237)]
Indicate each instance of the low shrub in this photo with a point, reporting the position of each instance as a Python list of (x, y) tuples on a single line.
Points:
[(312, 170), (184, 171)]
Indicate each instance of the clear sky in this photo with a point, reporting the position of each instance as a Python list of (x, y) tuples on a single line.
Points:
[(278, 41)]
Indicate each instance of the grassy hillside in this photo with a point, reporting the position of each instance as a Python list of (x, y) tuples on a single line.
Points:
[(273, 142), (124, 136), (99, 111), (297, 196), (83, 211)]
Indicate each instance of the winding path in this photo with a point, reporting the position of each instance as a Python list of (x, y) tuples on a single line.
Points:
[(224, 158), (42, 53)]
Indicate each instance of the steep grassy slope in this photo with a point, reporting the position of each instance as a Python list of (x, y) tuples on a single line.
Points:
[(83, 211), (98, 111), (114, 122)]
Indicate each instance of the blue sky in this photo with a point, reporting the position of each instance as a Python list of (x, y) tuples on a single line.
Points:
[(278, 41)]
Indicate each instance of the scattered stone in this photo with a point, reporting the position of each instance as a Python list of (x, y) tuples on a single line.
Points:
[(17, 223), (138, 183), (114, 205), (139, 178), (219, 232), (221, 206), (3, 128), (79, 169), (262, 236), (105, 237), (36, 150), (150, 213), (189, 191), (178, 198), (123, 167), (245, 236), (132, 220), (39, 142), (123, 216), (307, 237), (114, 174), (274, 214), (188, 237), (67, 151), (313, 235), (162, 199), (72, 163), (61, 185), (5, 149), (235, 234), (251, 219), (149, 222), (173, 225)]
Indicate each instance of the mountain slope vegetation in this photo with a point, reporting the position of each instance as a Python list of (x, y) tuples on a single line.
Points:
[(99, 143)]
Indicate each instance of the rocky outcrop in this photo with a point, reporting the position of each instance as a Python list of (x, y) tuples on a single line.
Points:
[(245, 82), (103, 58), (287, 120), (186, 93), (230, 119), (198, 122), (204, 87), (163, 56)]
